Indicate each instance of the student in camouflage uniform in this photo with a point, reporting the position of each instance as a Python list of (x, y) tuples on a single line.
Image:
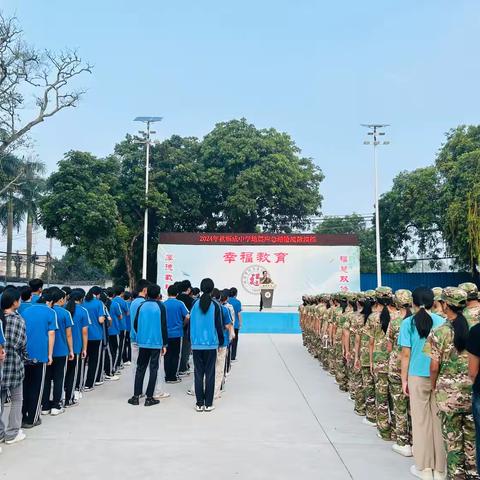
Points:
[(368, 383), (401, 413), (377, 325), (341, 376), (472, 310), (334, 311), (446, 346), (355, 324)]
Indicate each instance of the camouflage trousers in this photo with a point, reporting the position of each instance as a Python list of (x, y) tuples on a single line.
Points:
[(331, 359), (367, 394), (356, 390), (340, 369), (459, 435), (402, 423), (382, 405)]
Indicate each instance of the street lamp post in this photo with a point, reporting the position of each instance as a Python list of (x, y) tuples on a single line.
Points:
[(374, 131), (147, 142)]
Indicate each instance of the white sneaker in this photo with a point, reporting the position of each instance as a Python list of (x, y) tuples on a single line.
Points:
[(112, 378), (161, 396), (439, 475), (46, 412), (425, 474), (211, 408), (190, 392), (126, 364), (20, 436), (57, 411), (97, 384), (198, 409), (366, 421), (405, 450)]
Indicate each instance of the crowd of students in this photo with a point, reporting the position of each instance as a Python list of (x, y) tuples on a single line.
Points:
[(410, 363), (56, 344)]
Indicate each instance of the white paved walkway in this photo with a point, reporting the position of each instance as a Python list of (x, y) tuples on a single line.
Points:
[(281, 418)]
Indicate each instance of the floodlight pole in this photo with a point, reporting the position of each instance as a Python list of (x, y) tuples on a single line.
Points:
[(148, 121), (375, 133)]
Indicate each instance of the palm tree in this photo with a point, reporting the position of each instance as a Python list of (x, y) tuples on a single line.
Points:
[(19, 195)]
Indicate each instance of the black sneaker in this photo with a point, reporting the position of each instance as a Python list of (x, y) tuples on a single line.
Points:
[(134, 400), (149, 401)]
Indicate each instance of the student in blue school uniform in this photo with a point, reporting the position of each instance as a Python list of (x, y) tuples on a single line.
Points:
[(81, 323), (237, 307), (206, 334), (36, 284), (114, 328), (2, 358), (127, 346), (62, 352), (150, 328), (118, 294), (96, 313), (41, 324), (26, 299), (177, 317)]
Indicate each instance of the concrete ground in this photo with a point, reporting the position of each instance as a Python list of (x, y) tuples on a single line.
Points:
[(281, 417)]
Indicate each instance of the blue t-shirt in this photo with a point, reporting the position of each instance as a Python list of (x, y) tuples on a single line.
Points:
[(227, 320), (64, 321), (124, 308), (237, 306), (419, 362), (95, 311), (176, 313), (133, 312), (149, 333), (2, 336), (35, 298), (39, 320), (128, 320), (23, 306), (80, 321), (115, 314)]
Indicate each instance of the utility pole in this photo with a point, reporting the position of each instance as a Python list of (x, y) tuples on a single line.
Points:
[(146, 140), (375, 133)]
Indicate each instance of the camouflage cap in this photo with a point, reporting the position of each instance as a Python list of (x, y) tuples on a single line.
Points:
[(471, 290), (370, 294), (437, 293), (454, 296), (403, 297), (383, 292)]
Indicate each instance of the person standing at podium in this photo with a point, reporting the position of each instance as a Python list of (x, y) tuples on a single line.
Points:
[(264, 280)]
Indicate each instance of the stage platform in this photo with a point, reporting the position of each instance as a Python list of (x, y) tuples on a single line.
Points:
[(274, 320)]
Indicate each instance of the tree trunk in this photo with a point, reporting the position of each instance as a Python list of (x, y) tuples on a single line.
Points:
[(130, 272), (29, 244), (9, 236)]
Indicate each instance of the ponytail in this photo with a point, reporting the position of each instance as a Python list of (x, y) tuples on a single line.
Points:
[(206, 286), (385, 314), (366, 310), (76, 295), (343, 305), (9, 297), (95, 290), (460, 329), (423, 299), (353, 304)]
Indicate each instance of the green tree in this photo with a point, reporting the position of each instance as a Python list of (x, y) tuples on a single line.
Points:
[(79, 208), (411, 215), (73, 267), (257, 179)]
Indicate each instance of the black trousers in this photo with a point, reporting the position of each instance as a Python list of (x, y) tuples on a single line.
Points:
[(80, 383), (146, 357), (185, 353), (94, 348), (228, 360), (172, 359), (111, 355), (33, 384), (71, 378), (121, 346), (127, 348), (204, 366), (55, 374), (235, 344), (101, 362)]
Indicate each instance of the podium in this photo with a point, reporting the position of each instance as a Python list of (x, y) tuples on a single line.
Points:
[(266, 293)]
